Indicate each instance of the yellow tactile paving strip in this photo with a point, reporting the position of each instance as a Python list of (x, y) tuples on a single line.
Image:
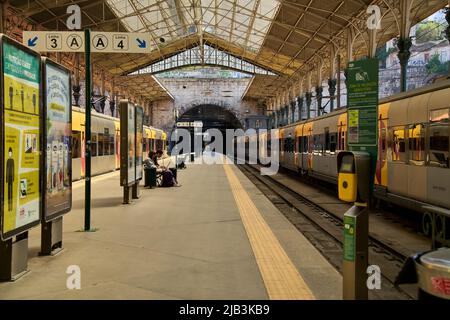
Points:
[(281, 278)]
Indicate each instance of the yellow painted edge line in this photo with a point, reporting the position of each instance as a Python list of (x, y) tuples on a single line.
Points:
[(280, 276)]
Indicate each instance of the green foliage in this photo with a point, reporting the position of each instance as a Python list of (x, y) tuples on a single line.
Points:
[(429, 31), (435, 66)]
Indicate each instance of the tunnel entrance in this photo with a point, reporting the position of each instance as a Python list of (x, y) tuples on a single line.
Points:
[(211, 117)]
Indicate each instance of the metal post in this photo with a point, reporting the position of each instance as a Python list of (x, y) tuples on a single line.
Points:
[(88, 88), (356, 241)]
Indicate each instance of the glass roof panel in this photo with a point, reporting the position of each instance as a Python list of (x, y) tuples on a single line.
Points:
[(240, 21)]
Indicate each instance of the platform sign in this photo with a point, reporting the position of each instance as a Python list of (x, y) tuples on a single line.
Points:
[(54, 41), (73, 41), (127, 143), (21, 128), (139, 141), (362, 86), (57, 140), (120, 42)]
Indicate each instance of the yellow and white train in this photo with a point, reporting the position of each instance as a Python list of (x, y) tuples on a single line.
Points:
[(105, 143), (413, 147)]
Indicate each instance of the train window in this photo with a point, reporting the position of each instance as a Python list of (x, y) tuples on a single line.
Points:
[(327, 141), (318, 144), (333, 142), (100, 142), (341, 142), (94, 145), (416, 144), (288, 144), (383, 140), (439, 139), (111, 144), (76, 144), (299, 144), (398, 145), (305, 144)]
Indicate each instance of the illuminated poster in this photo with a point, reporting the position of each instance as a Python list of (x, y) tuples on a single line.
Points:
[(127, 143), (131, 143), (139, 141), (21, 149), (58, 192)]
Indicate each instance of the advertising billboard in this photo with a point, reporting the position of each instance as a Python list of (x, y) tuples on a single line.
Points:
[(21, 145), (57, 142), (139, 141), (127, 143)]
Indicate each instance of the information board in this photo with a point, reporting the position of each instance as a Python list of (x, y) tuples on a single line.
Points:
[(127, 143), (349, 238), (58, 126), (139, 141), (21, 128), (362, 87)]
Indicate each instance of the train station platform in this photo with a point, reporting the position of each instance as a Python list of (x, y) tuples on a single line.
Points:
[(215, 237)]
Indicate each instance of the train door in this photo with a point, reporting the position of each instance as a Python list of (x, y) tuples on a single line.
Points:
[(381, 168)]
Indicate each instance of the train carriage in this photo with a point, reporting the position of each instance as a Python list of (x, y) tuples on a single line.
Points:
[(105, 144), (412, 167)]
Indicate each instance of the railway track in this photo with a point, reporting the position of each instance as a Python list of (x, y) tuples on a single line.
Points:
[(324, 229)]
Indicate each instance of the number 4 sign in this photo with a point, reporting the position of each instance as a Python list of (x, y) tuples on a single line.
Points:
[(120, 42)]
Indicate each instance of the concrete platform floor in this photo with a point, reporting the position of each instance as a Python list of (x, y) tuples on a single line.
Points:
[(174, 243)]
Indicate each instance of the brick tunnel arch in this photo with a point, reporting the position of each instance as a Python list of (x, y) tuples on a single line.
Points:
[(213, 117)]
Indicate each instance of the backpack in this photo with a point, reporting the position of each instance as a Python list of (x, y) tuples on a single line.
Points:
[(167, 179)]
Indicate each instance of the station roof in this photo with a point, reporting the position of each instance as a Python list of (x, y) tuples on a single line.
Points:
[(286, 37)]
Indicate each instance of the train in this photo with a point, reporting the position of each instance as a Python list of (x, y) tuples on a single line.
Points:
[(412, 166), (105, 144)]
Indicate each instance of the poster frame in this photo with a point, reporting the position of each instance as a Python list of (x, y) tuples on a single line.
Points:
[(17, 231), (124, 179), (60, 213), (141, 113)]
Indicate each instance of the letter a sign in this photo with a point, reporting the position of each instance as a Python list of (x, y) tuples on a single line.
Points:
[(99, 42)]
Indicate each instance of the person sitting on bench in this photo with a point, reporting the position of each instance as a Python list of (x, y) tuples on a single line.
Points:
[(168, 179)]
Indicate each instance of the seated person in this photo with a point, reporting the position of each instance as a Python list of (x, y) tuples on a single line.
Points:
[(168, 176), (148, 163)]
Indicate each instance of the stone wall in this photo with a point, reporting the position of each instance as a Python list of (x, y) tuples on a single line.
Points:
[(189, 93)]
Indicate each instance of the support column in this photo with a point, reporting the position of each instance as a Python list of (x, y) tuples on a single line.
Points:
[(319, 91), (293, 103), (102, 92), (339, 81), (112, 99), (300, 101), (308, 97), (332, 92), (332, 79), (404, 53), (447, 30), (76, 88), (404, 41)]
